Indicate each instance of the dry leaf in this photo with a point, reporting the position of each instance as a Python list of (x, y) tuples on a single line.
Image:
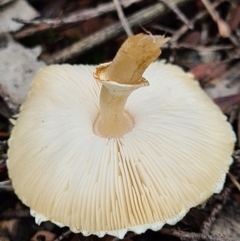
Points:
[(227, 101), (18, 65), (17, 9), (192, 38), (208, 71), (226, 85), (235, 20)]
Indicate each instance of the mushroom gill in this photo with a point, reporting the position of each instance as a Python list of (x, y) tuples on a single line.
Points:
[(174, 155)]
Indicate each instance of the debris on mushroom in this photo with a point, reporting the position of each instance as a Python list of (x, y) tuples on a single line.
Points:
[(105, 156)]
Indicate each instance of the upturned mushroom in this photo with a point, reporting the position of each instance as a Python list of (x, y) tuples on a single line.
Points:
[(105, 156)]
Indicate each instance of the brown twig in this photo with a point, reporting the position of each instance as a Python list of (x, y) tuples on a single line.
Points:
[(234, 181), (223, 28), (6, 185), (238, 131), (199, 16), (122, 18), (222, 200), (233, 113), (63, 235), (198, 47), (236, 154), (194, 236), (178, 12), (30, 30), (4, 134), (78, 15), (142, 17), (12, 214), (207, 225), (44, 24), (163, 28), (5, 2)]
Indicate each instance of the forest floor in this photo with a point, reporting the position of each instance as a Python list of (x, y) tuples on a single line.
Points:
[(205, 41)]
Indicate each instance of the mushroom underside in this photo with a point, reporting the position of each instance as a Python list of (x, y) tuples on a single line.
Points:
[(175, 157)]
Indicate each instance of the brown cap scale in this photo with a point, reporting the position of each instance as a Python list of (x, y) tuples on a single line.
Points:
[(106, 156)]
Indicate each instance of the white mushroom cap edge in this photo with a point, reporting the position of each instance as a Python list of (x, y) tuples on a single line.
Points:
[(175, 157)]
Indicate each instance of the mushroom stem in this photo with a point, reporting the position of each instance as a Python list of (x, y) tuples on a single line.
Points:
[(113, 120), (119, 78)]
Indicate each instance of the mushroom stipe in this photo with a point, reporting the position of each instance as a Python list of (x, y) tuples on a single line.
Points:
[(131, 148)]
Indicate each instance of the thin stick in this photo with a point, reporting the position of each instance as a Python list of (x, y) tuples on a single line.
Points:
[(199, 47), (199, 16), (142, 17), (12, 214), (62, 236), (233, 114), (208, 223), (238, 128), (234, 181), (78, 15), (44, 24), (4, 2), (122, 18), (163, 28), (236, 153), (222, 199), (6, 185), (179, 13), (223, 28)]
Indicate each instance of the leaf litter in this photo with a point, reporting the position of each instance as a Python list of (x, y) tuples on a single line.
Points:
[(205, 42)]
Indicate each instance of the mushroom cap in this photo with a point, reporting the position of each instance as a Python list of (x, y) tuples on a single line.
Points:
[(176, 156)]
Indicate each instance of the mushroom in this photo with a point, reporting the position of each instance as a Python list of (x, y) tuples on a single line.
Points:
[(104, 156)]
